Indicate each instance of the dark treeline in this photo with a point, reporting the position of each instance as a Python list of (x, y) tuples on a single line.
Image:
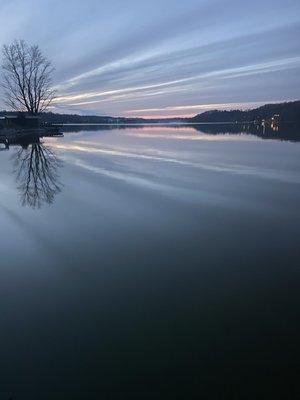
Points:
[(287, 112), (54, 118)]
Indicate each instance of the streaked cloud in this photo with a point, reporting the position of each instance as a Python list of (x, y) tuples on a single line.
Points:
[(163, 58)]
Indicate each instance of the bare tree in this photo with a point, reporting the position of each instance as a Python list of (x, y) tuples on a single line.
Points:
[(27, 78)]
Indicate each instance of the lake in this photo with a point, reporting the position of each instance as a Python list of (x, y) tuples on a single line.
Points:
[(151, 261)]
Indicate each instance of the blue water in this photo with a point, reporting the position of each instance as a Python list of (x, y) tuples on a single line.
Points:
[(147, 261)]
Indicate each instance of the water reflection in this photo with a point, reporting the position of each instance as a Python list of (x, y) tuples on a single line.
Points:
[(36, 166), (36, 169), (282, 132)]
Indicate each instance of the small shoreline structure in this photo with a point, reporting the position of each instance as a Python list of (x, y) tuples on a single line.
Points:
[(21, 127)]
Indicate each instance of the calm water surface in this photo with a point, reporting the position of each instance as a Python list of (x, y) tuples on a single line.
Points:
[(151, 260)]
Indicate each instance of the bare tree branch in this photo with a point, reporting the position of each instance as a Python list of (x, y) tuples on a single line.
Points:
[(27, 78)]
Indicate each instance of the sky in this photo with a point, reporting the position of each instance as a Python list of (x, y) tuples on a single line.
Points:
[(161, 58)]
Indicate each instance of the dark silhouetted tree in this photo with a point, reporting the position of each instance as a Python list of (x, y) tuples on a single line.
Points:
[(26, 78)]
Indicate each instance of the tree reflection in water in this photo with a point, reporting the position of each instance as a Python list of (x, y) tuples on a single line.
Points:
[(36, 167)]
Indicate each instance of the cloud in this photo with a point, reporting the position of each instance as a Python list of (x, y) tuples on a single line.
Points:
[(112, 57)]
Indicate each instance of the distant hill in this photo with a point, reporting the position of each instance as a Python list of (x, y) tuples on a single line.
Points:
[(285, 112)]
